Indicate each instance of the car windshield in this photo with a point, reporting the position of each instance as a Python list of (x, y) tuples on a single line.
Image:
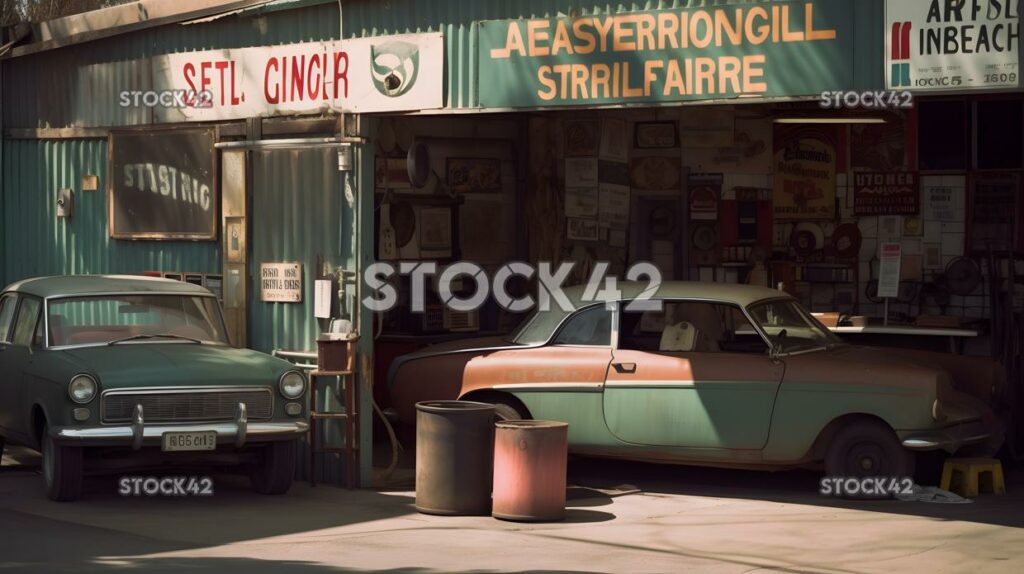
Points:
[(135, 318), (791, 328)]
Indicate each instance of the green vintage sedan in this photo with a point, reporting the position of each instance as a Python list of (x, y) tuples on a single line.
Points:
[(714, 375), (114, 372)]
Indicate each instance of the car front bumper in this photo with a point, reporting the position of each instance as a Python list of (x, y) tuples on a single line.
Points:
[(950, 438), (138, 434)]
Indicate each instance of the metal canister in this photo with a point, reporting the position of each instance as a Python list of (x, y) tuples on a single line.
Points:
[(529, 470), (454, 457)]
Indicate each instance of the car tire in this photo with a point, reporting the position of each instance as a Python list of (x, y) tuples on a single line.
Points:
[(62, 470), (276, 469), (868, 449)]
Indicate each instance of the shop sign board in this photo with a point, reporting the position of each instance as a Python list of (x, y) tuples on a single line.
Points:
[(163, 184), (361, 75), (281, 282), (889, 193), (705, 191), (672, 55), (889, 269), (805, 175), (934, 45)]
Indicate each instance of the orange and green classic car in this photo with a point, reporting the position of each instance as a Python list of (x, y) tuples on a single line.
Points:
[(121, 372), (719, 375)]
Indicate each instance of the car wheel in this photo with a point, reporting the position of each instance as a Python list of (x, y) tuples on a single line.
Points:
[(274, 473), (62, 470), (868, 449)]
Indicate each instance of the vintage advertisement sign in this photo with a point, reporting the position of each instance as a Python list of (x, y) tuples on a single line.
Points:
[(934, 45), (890, 256), (281, 282), (668, 55), (379, 74), (805, 174), (705, 192), (162, 184), (891, 193)]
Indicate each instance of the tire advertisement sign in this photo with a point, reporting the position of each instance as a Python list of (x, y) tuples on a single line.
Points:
[(678, 54), (805, 173), (935, 45), (379, 74)]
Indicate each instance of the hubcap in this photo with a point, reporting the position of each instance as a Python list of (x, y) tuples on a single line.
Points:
[(866, 459)]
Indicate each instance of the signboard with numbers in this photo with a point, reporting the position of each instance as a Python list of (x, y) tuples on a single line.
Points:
[(934, 45), (281, 282)]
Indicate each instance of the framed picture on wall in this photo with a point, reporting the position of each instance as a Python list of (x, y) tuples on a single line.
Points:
[(436, 231), (582, 138), (656, 135), (474, 175)]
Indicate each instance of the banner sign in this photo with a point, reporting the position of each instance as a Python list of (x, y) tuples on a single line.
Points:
[(952, 45), (893, 193), (163, 184), (668, 55), (379, 74), (805, 174)]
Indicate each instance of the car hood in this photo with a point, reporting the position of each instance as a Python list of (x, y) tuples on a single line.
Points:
[(177, 364)]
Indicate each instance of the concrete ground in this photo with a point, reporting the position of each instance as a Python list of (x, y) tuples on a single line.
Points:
[(681, 519)]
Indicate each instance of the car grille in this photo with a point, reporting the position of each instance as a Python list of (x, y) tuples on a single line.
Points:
[(187, 406)]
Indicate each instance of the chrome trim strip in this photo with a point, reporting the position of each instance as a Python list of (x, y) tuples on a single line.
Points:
[(138, 428), (549, 387), (242, 423)]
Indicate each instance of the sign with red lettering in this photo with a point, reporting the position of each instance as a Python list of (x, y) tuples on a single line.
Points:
[(892, 193), (378, 74)]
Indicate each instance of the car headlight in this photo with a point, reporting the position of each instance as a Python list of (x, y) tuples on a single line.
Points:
[(292, 385), (82, 389)]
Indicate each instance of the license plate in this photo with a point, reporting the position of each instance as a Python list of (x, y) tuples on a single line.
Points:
[(206, 440)]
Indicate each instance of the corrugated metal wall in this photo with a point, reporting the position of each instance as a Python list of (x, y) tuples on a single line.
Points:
[(80, 85), (299, 213), (37, 243)]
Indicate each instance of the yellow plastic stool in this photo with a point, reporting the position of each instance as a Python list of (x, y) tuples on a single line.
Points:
[(969, 472)]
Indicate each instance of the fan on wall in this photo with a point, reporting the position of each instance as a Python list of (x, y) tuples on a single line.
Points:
[(961, 277)]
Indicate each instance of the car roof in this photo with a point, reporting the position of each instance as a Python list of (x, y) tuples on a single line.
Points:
[(742, 295), (65, 285)]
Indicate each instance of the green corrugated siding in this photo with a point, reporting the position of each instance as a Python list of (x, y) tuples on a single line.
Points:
[(299, 212), (37, 243), (46, 89)]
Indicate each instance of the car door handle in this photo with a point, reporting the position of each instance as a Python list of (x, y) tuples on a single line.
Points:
[(625, 367)]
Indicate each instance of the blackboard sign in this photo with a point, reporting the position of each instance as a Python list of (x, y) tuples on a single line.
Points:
[(163, 184)]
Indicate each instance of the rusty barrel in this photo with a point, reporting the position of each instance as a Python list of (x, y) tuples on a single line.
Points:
[(529, 470), (454, 457)]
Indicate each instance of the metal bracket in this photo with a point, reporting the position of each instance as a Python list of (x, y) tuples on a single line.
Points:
[(138, 428), (242, 421)]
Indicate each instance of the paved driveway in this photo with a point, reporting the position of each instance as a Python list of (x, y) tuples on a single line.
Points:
[(682, 519)]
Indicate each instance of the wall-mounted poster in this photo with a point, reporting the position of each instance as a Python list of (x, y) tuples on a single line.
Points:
[(942, 203), (749, 151), (656, 173), (474, 174), (581, 202), (391, 173), (804, 172), (879, 147), (614, 206), (163, 184), (933, 45), (656, 135), (582, 229), (281, 282), (705, 190), (890, 193), (582, 138), (581, 172), (614, 140), (436, 231)]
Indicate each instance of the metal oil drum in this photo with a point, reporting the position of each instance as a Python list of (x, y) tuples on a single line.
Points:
[(529, 470), (454, 457)]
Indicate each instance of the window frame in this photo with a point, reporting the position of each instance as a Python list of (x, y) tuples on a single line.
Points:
[(12, 295), (22, 299), (612, 329), (741, 308)]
